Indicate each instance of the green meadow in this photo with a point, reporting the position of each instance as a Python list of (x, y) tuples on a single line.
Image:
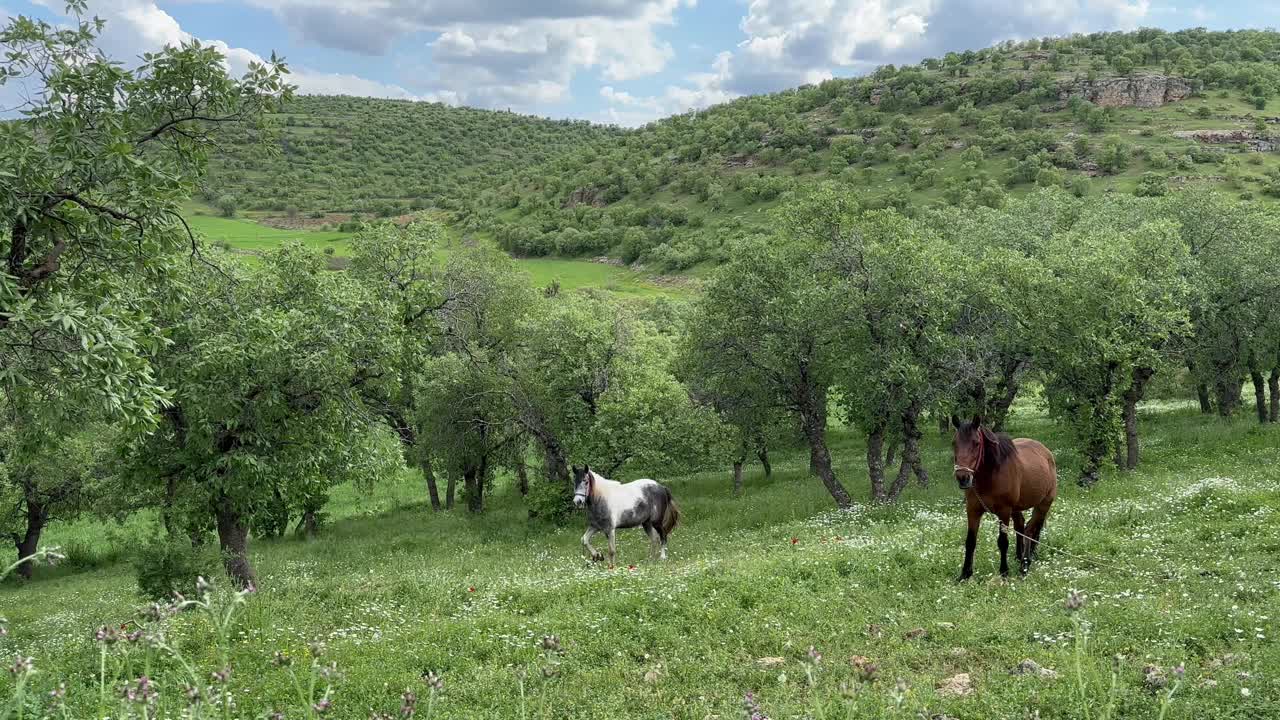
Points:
[(1177, 562)]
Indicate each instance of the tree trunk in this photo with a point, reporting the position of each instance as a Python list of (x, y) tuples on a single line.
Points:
[(1273, 383), (1006, 392), (522, 478), (29, 542), (763, 455), (473, 478), (1132, 396), (429, 474), (944, 423), (891, 455), (308, 524), (813, 418), (1260, 395), (875, 463), (1098, 443), (1206, 405), (233, 539), (911, 462), (449, 489), (1228, 396), (737, 477)]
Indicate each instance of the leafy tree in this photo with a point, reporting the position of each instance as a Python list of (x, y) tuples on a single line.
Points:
[(228, 205), (46, 477), (1152, 185), (893, 276), (463, 405), (267, 370), (398, 264), (96, 170), (769, 324), (1108, 299)]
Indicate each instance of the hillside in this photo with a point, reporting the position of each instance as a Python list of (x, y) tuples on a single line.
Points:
[(1139, 112)]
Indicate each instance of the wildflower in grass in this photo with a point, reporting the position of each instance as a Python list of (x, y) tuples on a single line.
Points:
[(21, 666), (899, 693), (433, 681), (551, 643), (142, 692), (279, 659), (408, 704), (203, 587), (752, 708), (331, 673), (322, 705), (107, 635), (192, 694), (1075, 600), (815, 657), (222, 676)]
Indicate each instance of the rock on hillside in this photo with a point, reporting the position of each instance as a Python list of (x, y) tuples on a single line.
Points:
[(1137, 91), (1254, 141)]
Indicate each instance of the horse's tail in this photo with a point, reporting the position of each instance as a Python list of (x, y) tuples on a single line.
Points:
[(670, 516)]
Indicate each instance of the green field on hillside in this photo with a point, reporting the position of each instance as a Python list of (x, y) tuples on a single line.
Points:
[(1177, 561), (250, 237)]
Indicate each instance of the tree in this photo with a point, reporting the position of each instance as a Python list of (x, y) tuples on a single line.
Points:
[(892, 275), (770, 325), (399, 266), (268, 370), (1234, 249), (46, 477), (1152, 184), (228, 205), (1108, 298), (593, 380), (96, 171), (463, 398)]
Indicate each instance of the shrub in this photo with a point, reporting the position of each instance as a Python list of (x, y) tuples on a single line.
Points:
[(227, 205), (170, 564), (1152, 185)]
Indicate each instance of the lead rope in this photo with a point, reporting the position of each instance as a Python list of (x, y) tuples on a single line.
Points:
[(1007, 527)]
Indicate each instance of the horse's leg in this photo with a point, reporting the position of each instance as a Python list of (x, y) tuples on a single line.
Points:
[(586, 545), (1038, 516), (652, 532), (1020, 540), (970, 541), (1003, 542), (613, 545)]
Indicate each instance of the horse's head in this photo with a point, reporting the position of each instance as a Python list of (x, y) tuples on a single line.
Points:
[(581, 485), (968, 449)]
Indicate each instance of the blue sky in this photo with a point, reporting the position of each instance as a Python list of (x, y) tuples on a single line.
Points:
[(624, 61)]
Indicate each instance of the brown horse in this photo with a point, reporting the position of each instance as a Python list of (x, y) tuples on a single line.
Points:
[(1004, 477)]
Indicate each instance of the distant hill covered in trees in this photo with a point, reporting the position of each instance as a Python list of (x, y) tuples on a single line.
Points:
[(1141, 112)]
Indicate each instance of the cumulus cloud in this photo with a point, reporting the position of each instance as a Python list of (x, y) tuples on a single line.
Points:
[(794, 42), (137, 26), (495, 53)]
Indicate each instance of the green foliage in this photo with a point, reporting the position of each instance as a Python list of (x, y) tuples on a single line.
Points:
[(1152, 185), (165, 565), (89, 203), (1114, 155)]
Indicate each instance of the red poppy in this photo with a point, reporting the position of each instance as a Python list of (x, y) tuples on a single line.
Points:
[(471, 589), (631, 567), (795, 540)]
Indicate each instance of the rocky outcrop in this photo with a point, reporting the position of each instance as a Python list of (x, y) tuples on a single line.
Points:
[(1137, 91), (585, 196), (1251, 140)]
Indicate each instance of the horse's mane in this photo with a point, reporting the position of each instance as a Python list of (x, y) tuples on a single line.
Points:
[(1000, 446)]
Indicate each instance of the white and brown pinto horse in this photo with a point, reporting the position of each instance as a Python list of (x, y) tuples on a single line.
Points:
[(613, 506)]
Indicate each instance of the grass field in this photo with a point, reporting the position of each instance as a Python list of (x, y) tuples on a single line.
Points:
[(1178, 561), (251, 237)]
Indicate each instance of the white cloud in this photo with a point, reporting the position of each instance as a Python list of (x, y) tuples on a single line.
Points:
[(134, 27)]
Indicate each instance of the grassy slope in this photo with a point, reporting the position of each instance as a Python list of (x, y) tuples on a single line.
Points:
[(251, 237), (1178, 561)]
